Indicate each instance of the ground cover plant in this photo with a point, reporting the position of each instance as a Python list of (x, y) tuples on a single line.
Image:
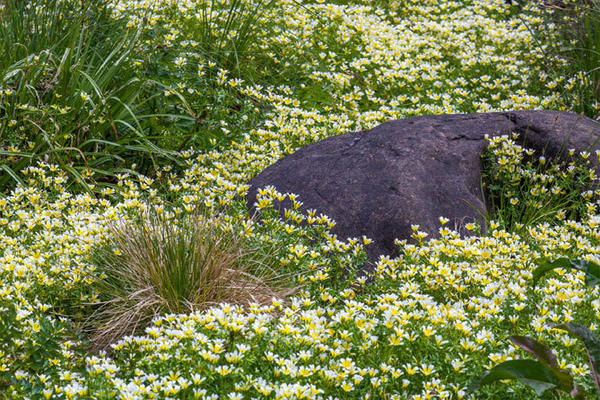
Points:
[(209, 114), (545, 374)]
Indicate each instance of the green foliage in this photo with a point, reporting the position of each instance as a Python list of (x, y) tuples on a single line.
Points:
[(592, 348), (545, 373), (548, 359), (522, 191), (591, 269), (227, 32), (83, 89), (201, 76), (197, 109), (541, 375), (531, 373), (68, 91), (578, 24), (32, 347)]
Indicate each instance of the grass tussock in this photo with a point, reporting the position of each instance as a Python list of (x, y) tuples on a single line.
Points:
[(156, 265)]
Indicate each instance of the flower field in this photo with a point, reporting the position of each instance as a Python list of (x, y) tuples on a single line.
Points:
[(181, 103)]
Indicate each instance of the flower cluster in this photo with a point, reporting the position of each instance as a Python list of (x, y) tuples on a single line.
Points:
[(433, 317), (525, 188)]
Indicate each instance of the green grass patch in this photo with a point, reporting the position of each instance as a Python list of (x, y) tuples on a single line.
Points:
[(69, 92)]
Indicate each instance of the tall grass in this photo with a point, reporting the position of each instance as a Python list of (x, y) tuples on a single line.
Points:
[(586, 57), (224, 48), (227, 35), (156, 264), (80, 89), (578, 23), (68, 91)]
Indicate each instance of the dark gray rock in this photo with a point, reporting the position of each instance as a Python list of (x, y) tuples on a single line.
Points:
[(378, 183)]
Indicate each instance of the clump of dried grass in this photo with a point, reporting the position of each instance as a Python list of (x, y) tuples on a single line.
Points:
[(155, 265)]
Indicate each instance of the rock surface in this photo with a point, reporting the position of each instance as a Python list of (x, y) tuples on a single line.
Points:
[(379, 182)]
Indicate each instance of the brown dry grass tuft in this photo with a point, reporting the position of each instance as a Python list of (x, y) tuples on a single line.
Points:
[(155, 265)]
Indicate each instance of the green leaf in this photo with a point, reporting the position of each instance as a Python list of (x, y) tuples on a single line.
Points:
[(539, 350), (546, 356), (15, 153), (592, 346), (529, 372), (545, 265), (591, 269), (78, 178), (12, 173), (592, 274)]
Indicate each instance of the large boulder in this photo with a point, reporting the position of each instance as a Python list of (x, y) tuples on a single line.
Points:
[(407, 172)]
